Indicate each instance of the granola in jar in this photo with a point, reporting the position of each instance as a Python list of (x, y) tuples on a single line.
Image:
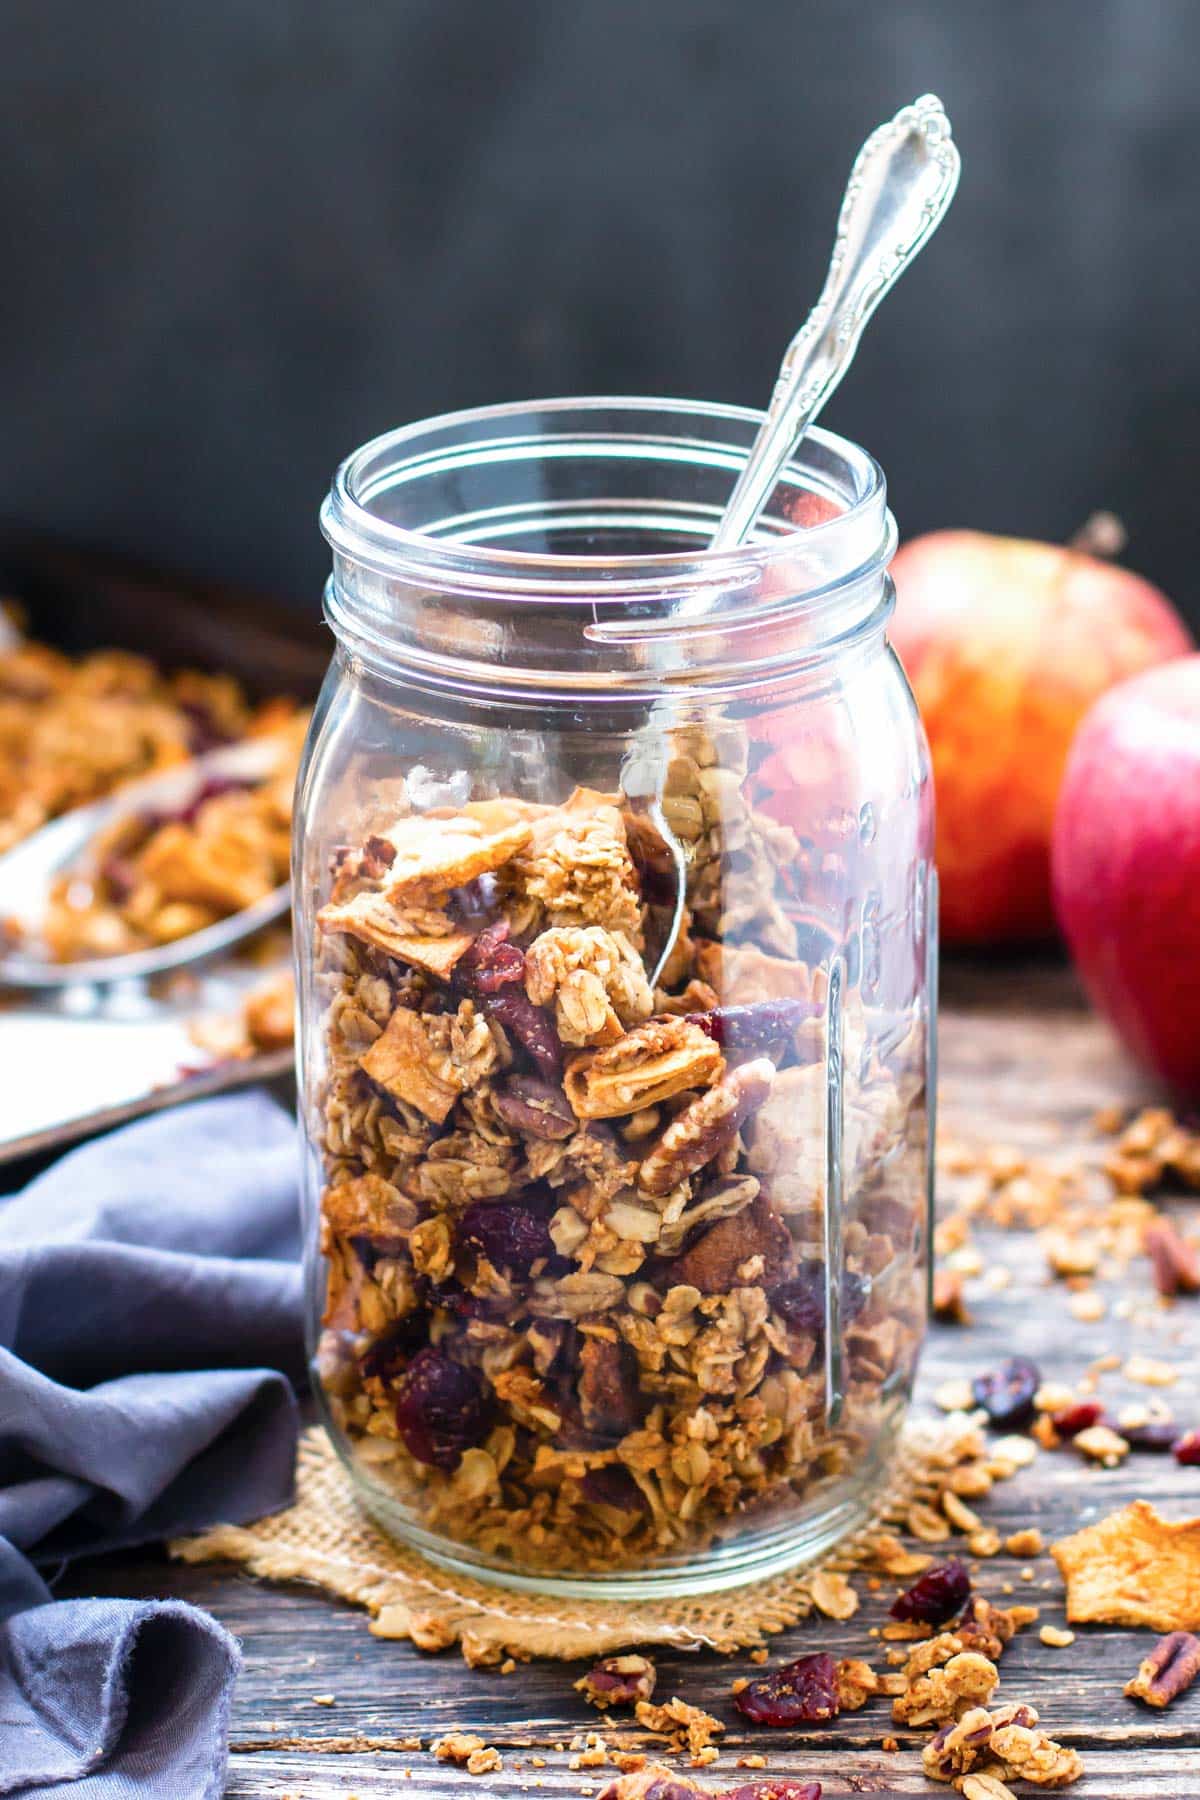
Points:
[(574, 1226)]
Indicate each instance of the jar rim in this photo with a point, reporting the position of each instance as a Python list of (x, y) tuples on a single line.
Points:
[(366, 536)]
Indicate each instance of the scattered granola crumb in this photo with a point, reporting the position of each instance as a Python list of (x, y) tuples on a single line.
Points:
[(618, 1681), (687, 1726), (984, 1543), (890, 1744), (1056, 1637), (324, 1700), (760, 1655), (483, 1762), (1025, 1543), (755, 1761), (456, 1746), (949, 1304), (743, 1681), (1087, 1307)]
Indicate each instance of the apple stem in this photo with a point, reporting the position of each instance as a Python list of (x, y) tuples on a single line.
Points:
[(1102, 535)]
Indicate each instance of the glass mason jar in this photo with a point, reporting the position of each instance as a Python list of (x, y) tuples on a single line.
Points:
[(616, 951)]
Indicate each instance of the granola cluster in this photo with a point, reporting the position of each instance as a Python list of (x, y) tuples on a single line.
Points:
[(573, 1222), (73, 731)]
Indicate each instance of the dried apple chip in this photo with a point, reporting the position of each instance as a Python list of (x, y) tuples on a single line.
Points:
[(1133, 1568), (372, 918)]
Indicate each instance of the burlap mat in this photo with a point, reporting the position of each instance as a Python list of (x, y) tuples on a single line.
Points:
[(326, 1538)]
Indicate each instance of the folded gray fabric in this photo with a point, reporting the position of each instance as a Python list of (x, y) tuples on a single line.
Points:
[(150, 1330)]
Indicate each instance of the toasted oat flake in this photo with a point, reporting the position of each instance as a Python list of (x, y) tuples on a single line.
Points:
[(1019, 1451), (954, 1395), (1102, 1444), (1150, 1371), (833, 1594)]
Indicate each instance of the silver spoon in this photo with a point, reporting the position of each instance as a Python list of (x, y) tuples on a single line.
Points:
[(901, 184), (29, 869)]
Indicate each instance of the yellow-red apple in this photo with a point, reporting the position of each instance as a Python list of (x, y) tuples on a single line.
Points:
[(1007, 643), (1126, 864)]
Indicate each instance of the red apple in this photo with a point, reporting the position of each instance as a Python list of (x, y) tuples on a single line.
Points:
[(1006, 644), (1127, 864)]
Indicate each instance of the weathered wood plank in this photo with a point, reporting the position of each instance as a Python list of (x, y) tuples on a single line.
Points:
[(1112, 1775), (1023, 1063)]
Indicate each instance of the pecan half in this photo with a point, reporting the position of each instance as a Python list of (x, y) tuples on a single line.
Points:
[(1168, 1671), (706, 1126), (713, 1262), (1176, 1265), (608, 1393), (536, 1107)]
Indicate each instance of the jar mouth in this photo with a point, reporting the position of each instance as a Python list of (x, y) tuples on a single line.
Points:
[(570, 538), (378, 490)]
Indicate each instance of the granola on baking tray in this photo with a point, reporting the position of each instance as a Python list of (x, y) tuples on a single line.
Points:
[(72, 731), (574, 1301)]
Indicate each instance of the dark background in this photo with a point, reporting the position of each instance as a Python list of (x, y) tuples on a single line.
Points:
[(241, 237)]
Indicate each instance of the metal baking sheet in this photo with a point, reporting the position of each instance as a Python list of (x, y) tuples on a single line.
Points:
[(82, 1058)]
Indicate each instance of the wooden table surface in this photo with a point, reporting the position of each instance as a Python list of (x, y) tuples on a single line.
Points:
[(1022, 1063)]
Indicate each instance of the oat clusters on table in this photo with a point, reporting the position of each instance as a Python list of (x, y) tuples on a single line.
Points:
[(72, 731), (576, 1298)]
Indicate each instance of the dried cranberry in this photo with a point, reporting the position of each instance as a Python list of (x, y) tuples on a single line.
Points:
[(530, 1026), (935, 1596), (800, 1301), (1156, 1436), (119, 876), (1187, 1449), (203, 731), (613, 1485), (773, 1790), (799, 1693), (492, 962), (373, 1250), (1006, 1394), (757, 1026), (387, 1356), (511, 1236), (1079, 1417), (212, 789), (452, 1297), (440, 1410)]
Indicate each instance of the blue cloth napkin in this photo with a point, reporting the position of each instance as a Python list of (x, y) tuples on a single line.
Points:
[(150, 1332)]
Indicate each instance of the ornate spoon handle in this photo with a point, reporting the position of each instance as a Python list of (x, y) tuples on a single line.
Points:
[(902, 181)]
